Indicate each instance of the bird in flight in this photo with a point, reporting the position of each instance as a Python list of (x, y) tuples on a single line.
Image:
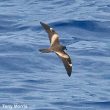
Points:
[(56, 47)]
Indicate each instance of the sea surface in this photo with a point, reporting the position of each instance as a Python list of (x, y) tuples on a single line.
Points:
[(30, 80)]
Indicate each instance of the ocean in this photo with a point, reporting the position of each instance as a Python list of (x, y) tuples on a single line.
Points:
[(30, 80)]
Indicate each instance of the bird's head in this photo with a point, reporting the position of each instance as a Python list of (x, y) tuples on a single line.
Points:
[(64, 48)]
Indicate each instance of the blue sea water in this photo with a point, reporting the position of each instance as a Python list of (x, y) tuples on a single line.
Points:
[(35, 81)]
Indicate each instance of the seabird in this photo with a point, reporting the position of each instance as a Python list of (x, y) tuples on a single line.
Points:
[(56, 47)]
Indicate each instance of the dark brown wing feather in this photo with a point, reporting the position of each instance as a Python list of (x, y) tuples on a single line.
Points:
[(53, 36), (66, 61)]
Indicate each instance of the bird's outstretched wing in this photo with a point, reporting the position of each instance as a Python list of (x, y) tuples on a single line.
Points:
[(53, 36), (66, 61)]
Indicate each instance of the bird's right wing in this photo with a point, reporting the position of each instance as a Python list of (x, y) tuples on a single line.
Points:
[(53, 36), (66, 61)]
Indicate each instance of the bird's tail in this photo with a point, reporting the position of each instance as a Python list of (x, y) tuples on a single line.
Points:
[(45, 50)]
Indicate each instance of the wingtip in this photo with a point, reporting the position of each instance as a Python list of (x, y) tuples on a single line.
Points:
[(44, 24), (69, 74), (41, 23)]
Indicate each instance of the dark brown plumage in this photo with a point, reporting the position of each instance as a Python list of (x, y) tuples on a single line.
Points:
[(56, 47)]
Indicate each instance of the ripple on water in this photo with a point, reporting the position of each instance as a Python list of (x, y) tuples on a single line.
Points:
[(14, 90)]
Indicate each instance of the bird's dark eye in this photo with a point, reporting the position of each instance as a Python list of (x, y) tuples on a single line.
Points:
[(64, 48)]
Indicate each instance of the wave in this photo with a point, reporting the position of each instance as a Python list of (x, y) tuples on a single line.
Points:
[(12, 23), (90, 25), (83, 105), (99, 103)]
